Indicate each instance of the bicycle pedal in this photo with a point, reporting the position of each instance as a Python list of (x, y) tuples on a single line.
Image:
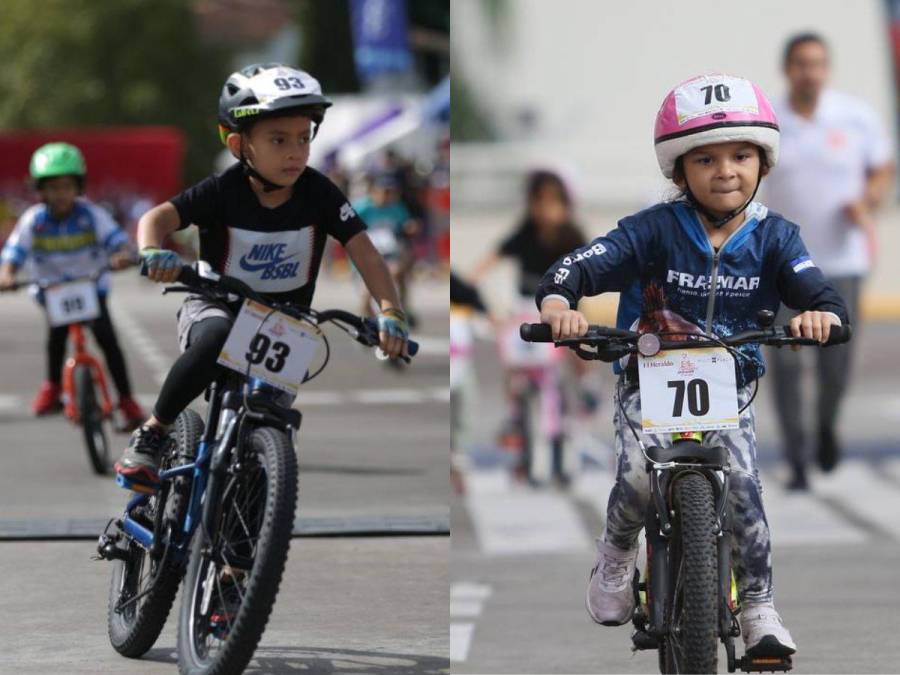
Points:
[(765, 664), (128, 484), (643, 640)]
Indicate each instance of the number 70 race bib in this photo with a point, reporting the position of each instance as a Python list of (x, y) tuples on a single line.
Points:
[(279, 353), (688, 390)]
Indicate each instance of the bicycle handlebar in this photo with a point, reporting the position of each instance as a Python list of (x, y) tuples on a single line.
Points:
[(367, 327), (626, 340)]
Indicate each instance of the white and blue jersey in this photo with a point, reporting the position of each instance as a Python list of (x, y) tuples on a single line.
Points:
[(671, 278), (55, 250)]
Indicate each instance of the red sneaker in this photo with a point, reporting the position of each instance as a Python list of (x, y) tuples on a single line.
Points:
[(47, 399), (132, 414)]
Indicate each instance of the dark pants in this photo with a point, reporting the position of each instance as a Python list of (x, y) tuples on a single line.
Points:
[(105, 335), (832, 377), (195, 369)]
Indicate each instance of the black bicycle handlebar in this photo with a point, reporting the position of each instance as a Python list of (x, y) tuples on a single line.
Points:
[(367, 327), (542, 332)]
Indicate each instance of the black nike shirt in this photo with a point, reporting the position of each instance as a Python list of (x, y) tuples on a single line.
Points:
[(277, 252)]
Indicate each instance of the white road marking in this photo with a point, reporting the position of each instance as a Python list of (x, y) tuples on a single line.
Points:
[(465, 608), (525, 521), (383, 396), (16, 402), (460, 640), (465, 590), (798, 518), (432, 346), (510, 519), (139, 338), (858, 487)]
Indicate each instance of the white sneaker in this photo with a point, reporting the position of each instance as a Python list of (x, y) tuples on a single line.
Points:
[(610, 598), (764, 631)]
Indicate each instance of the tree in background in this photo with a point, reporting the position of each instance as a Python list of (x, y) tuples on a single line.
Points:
[(83, 63)]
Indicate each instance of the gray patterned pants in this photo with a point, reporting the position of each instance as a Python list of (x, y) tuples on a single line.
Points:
[(750, 547)]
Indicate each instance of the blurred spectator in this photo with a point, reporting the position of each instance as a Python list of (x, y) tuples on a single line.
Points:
[(389, 227), (834, 170)]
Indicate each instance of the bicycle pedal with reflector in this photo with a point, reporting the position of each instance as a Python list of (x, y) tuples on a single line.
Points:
[(765, 664)]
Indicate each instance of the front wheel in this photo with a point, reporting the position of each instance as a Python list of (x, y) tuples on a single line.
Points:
[(235, 569), (692, 643), (91, 419)]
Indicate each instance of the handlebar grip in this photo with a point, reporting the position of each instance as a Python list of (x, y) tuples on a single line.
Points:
[(536, 332), (188, 276), (837, 335)]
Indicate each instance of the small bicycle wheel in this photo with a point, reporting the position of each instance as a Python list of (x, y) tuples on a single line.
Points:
[(134, 626), (692, 643), (235, 570), (91, 420)]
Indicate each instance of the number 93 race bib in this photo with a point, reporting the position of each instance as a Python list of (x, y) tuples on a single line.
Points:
[(279, 353)]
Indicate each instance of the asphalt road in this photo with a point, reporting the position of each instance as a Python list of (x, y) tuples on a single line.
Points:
[(521, 556), (373, 458)]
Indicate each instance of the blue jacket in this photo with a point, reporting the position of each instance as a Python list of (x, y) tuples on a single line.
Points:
[(670, 277)]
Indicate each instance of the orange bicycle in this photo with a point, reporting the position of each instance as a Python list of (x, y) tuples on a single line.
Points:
[(88, 404)]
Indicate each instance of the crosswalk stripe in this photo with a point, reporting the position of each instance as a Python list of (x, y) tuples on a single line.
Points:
[(864, 493), (16, 403), (852, 505), (460, 640), (523, 521)]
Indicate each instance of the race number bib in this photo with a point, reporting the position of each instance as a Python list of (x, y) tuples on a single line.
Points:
[(72, 303), (279, 353), (705, 96), (688, 390)]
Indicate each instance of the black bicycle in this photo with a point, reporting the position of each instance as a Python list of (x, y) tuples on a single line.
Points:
[(687, 602), (223, 515)]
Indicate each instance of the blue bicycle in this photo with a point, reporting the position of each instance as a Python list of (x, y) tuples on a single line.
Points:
[(223, 516)]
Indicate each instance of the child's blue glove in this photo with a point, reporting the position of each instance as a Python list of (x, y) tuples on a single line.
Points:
[(159, 264), (393, 322)]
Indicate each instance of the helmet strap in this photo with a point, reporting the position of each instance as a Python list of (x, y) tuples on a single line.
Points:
[(718, 221), (250, 172)]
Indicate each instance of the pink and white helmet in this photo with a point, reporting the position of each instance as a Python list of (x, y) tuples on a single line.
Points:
[(713, 108)]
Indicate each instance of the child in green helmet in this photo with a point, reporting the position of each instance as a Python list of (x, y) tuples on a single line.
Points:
[(68, 236)]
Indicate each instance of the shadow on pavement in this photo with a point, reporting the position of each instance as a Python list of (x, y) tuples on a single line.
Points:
[(358, 470), (324, 661)]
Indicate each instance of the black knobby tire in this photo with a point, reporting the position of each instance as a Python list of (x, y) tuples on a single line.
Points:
[(91, 419), (277, 472), (134, 630), (695, 594)]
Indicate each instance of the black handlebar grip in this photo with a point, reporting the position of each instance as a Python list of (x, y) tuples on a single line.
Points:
[(536, 332), (837, 335), (188, 276)]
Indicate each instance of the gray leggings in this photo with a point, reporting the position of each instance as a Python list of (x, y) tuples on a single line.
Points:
[(750, 547)]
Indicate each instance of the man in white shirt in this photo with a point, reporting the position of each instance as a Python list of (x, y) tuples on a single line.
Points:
[(834, 170)]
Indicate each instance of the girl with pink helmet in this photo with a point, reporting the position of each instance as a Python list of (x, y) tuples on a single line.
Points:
[(708, 262)]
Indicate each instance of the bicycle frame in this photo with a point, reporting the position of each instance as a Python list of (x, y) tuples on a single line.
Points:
[(85, 358), (212, 457)]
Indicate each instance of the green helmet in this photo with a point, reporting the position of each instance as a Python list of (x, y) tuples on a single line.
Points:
[(57, 159)]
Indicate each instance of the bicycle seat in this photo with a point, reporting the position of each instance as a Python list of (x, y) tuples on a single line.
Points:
[(689, 451)]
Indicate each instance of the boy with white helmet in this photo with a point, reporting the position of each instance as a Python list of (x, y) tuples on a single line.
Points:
[(264, 221), (708, 261)]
